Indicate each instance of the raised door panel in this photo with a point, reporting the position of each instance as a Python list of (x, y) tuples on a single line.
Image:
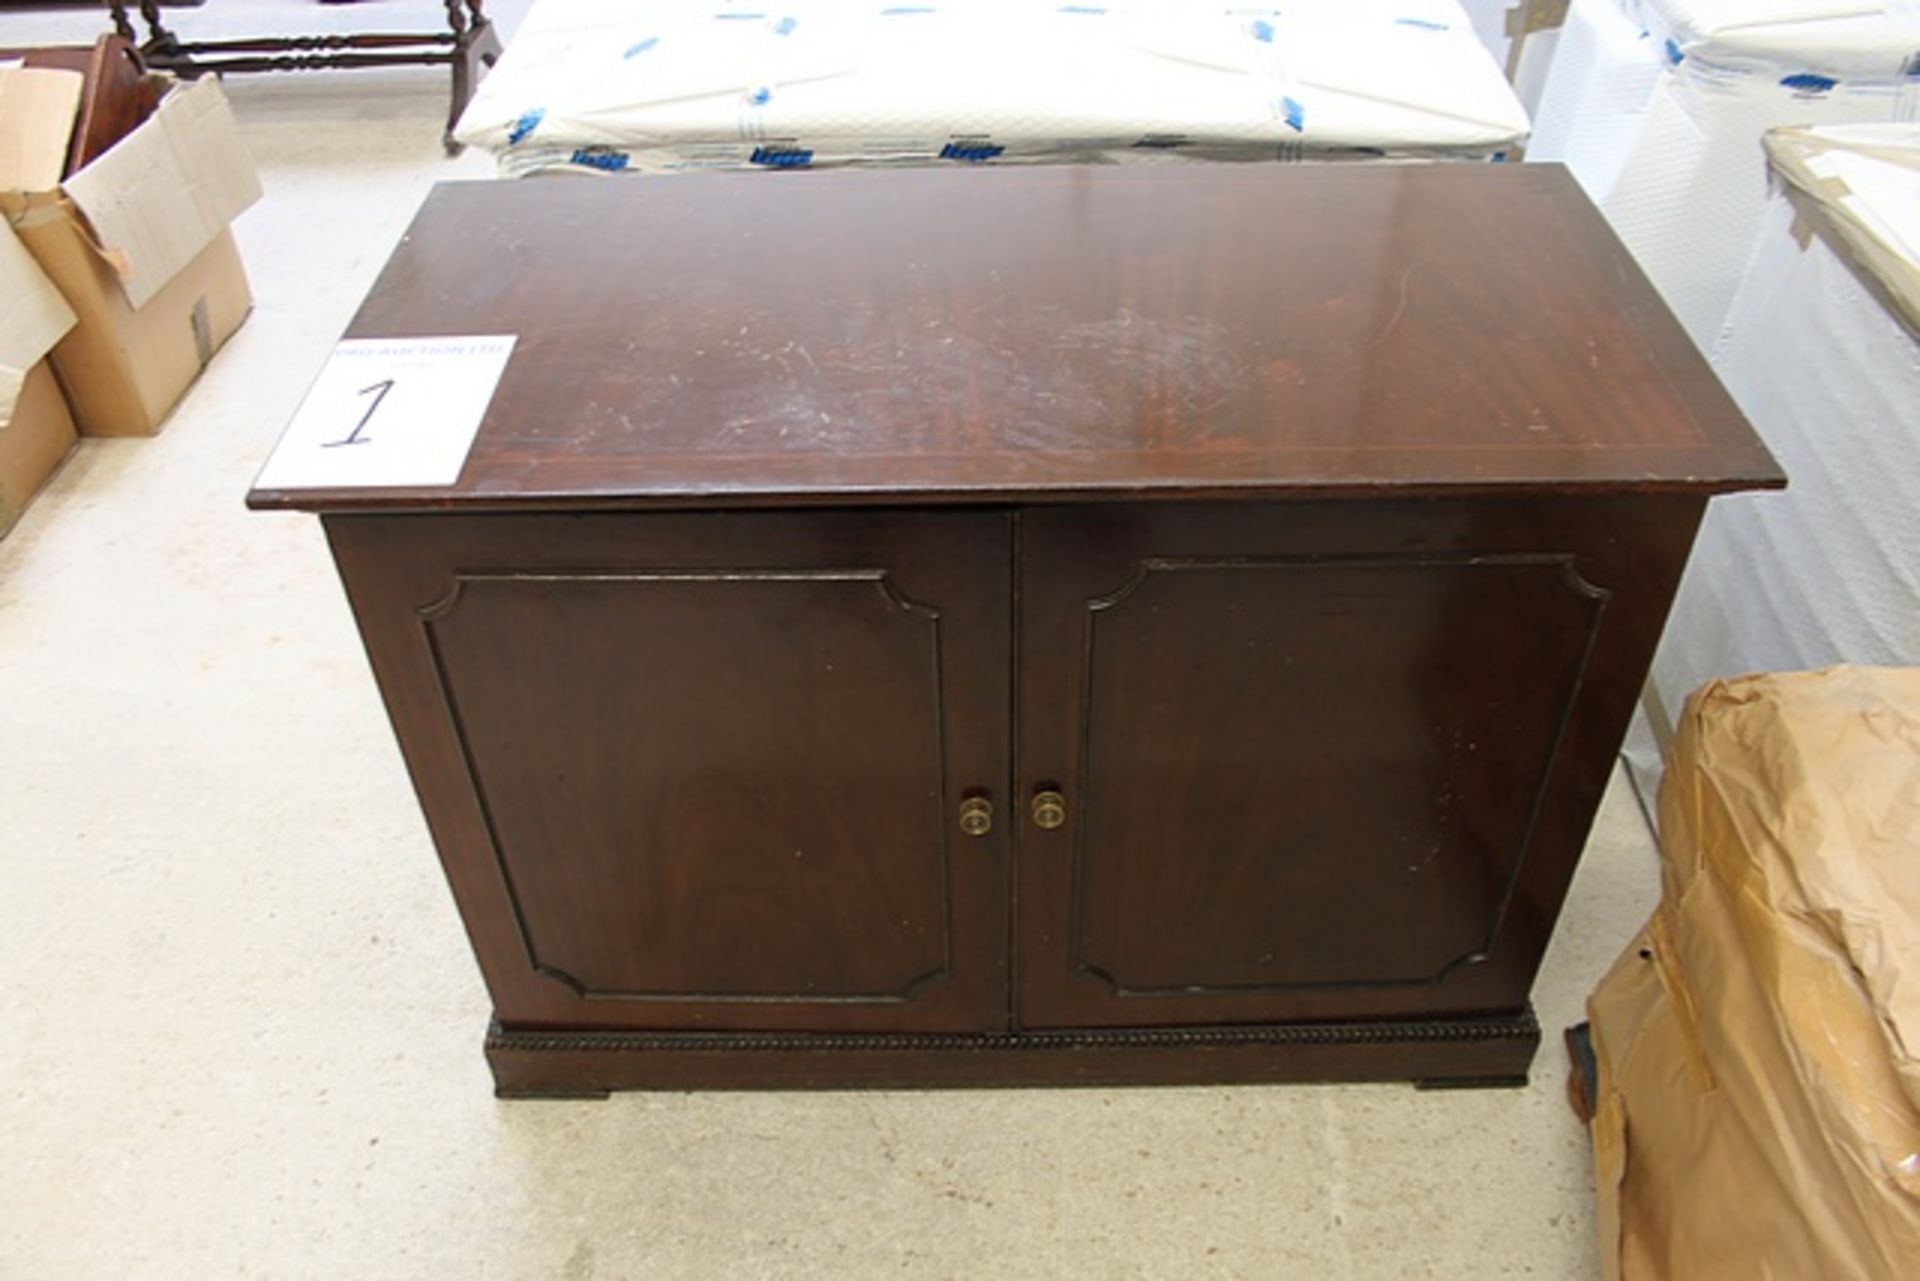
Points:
[(710, 766), (1310, 772), (1306, 754)]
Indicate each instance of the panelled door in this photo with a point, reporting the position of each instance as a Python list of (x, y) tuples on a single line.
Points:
[(708, 771), (1287, 763)]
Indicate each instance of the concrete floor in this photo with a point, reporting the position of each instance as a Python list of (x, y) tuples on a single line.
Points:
[(240, 1026)]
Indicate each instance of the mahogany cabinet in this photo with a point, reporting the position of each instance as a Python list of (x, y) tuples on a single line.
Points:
[(1036, 626)]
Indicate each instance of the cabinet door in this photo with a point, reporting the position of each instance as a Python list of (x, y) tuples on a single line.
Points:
[(1320, 760), (703, 771)]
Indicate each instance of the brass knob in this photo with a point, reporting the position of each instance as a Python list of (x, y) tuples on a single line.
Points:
[(1049, 809), (976, 816)]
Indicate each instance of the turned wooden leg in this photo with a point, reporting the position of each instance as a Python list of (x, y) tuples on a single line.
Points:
[(161, 43), (150, 10), (476, 46)]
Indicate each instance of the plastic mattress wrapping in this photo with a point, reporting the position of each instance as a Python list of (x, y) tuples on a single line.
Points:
[(1658, 107), (1522, 35), (1758, 1099), (1821, 349), (668, 85)]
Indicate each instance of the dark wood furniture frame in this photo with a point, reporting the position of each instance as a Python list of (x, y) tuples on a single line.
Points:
[(469, 46), (1036, 626)]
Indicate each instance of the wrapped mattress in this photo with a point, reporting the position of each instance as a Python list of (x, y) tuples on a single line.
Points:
[(1821, 349), (1658, 108), (665, 85)]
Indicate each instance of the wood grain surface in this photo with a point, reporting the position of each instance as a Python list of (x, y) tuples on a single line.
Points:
[(701, 771), (1053, 334)]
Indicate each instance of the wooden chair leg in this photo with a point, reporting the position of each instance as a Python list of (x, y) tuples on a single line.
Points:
[(476, 48)]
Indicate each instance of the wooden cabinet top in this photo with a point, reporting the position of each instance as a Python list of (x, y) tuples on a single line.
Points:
[(1052, 334)]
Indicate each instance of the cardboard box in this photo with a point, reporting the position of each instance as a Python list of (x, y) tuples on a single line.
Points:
[(137, 241), (36, 431), (34, 441)]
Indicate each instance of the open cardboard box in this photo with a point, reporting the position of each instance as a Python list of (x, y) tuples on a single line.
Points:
[(137, 241), (36, 432)]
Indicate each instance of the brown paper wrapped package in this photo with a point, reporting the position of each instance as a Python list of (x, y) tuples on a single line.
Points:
[(1758, 1103)]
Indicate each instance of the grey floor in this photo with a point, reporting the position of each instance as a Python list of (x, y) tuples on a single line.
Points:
[(239, 1024)]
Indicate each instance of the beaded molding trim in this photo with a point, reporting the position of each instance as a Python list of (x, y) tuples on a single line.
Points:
[(1521, 1026)]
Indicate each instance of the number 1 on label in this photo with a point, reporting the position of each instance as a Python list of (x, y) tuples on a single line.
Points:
[(379, 390)]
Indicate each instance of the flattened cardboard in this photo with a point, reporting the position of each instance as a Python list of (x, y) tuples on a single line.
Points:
[(1759, 1095), (33, 316), (161, 194), (35, 440), (37, 111), (36, 431)]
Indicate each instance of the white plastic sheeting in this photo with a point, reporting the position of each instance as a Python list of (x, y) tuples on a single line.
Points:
[(1658, 107), (1521, 35), (668, 85), (1827, 571), (1597, 93), (1848, 40)]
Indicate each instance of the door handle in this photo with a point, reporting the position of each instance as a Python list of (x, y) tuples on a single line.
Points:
[(1049, 809), (976, 816)]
